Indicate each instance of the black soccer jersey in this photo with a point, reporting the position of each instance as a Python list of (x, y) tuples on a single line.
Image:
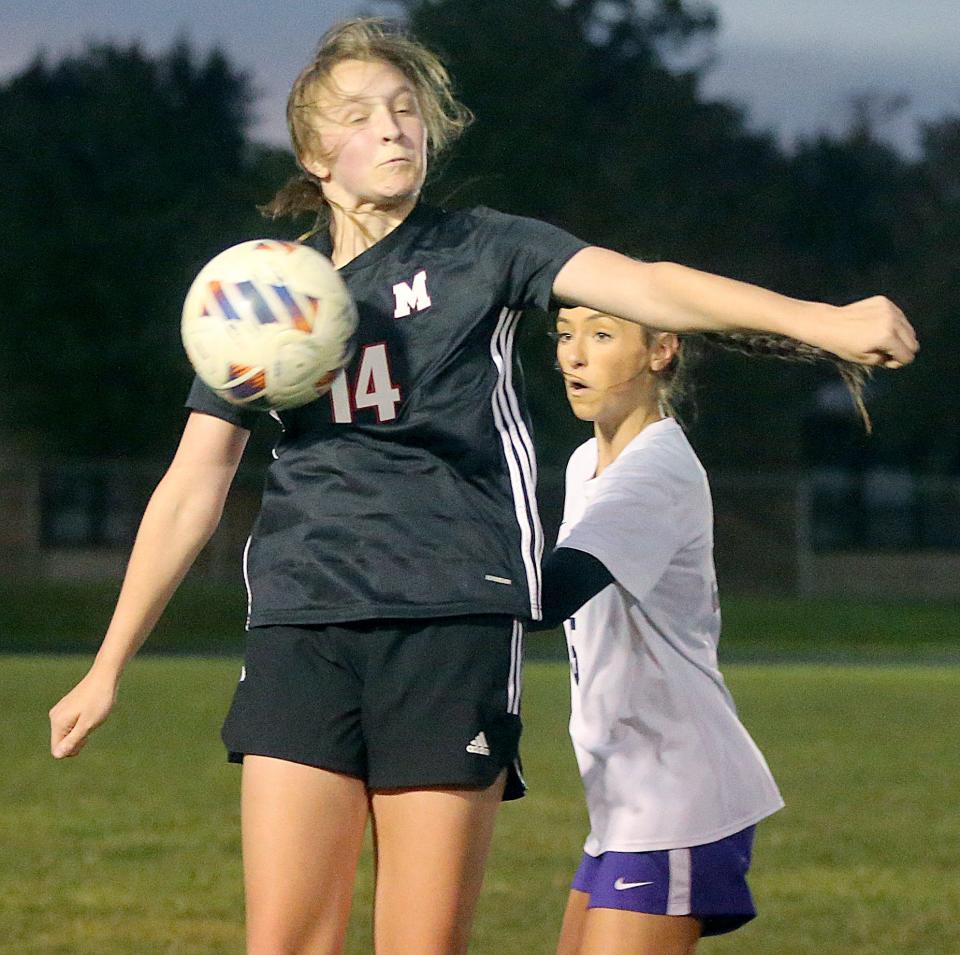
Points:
[(408, 490)]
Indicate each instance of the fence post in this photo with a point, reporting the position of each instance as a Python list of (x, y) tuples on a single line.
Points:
[(806, 574)]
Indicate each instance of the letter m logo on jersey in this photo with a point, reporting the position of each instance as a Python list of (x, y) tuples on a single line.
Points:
[(413, 297)]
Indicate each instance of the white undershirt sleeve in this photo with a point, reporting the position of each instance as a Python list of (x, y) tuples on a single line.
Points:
[(632, 526)]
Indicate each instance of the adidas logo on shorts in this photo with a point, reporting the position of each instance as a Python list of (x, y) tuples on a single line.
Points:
[(479, 745)]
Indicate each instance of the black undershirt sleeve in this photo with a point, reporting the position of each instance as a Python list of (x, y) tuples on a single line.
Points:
[(204, 400), (570, 578)]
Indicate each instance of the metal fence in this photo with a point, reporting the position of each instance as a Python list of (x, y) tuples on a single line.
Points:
[(879, 534)]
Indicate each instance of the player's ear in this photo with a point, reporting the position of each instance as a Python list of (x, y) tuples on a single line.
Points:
[(315, 167), (663, 349)]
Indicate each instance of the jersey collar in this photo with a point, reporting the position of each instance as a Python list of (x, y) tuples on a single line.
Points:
[(379, 250)]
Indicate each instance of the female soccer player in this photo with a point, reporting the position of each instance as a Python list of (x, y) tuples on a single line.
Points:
[(674, 784), (397, 549)]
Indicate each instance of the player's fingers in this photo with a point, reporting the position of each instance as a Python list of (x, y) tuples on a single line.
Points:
[(894, 351), (908, 337), (72, 743), (68, 732), (898, 344), (60, 726), (905, 341), (903, 337), (897, 353)]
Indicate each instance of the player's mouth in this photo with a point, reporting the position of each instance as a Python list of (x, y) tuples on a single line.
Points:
[(395, 161), (575, 386)]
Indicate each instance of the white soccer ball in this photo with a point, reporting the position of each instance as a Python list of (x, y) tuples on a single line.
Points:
[(268, 324)]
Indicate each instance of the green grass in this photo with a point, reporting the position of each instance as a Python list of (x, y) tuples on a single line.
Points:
[(55, 617), (64, 616), (134, 847)]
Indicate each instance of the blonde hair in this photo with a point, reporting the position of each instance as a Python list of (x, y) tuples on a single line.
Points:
[(366, 39)]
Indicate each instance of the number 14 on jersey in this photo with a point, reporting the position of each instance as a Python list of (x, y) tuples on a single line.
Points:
[(373, 388)]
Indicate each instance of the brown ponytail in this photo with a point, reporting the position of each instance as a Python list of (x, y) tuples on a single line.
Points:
[(298, 194), (676, 388), (756, 344)]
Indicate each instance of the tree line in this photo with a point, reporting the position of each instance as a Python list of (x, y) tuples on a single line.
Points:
[(123, 172)]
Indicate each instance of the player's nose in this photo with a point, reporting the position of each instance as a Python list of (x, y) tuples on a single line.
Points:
[(387, 125)]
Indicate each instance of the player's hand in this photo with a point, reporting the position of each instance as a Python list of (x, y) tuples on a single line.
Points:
[(80, 712), (873, 332)]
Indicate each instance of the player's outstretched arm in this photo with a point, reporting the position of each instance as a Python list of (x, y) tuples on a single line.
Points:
[(183, 513), (679, 299)]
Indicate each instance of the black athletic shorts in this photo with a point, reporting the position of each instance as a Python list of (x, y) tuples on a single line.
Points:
[(396, 703)]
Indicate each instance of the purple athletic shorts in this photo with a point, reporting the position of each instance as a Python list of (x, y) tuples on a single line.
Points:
[(708, 882)]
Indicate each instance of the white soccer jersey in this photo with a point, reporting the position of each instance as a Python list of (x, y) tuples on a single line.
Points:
[(665, 761)]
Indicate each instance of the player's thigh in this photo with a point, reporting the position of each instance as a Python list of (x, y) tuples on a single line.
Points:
[(574, 918), (619, 932), (302, 832), (432, 847)]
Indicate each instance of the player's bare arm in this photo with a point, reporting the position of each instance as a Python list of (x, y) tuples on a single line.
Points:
[(183, 513), (679, 299)]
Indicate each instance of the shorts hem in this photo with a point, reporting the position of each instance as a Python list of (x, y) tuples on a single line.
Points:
[(330, 766), (721, 924), (710, 924), (514, 788)]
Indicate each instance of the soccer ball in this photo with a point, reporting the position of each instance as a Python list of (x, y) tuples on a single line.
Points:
[(268, 324)]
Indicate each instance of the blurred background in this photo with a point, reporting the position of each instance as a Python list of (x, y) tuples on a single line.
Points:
[(811, 148)]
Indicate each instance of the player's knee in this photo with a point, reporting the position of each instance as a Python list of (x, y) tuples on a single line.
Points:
[(276, 937), (453, 942)]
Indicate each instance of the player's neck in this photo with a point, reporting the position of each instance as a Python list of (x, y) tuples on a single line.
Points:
[(613, 436), (353, 231)]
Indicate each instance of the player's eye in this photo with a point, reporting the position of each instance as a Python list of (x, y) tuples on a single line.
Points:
[(356, 119), (602, 336), (562, 336)]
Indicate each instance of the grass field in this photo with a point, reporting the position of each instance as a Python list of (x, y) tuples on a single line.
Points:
[(208, 619), (134, 847)]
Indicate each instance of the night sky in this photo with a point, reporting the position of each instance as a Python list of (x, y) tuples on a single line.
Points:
[(793, 65)]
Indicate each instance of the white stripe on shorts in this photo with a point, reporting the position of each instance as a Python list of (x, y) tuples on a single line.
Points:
[(515, 680), (678, 900)]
